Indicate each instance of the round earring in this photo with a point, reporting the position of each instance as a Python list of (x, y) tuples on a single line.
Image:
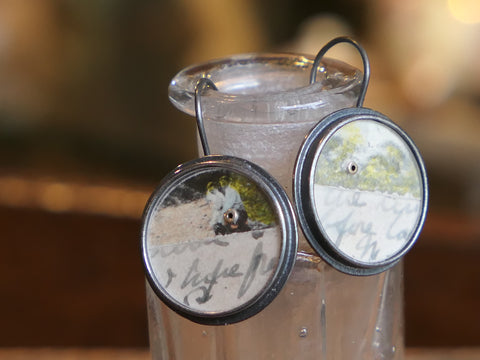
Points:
[(219, 236), (360, 186)]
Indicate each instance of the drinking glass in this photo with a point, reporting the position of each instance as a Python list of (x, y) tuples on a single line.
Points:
[(262, 111)]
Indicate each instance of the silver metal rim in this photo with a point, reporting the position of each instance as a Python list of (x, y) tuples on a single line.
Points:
[(302, 192), (286, 219)]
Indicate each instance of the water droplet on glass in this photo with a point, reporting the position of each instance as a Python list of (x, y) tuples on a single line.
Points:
[(377, 329), (394, 349), (303, 332), (292, 293), (204, 333)]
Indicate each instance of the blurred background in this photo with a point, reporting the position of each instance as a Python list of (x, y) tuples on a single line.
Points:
[(87, 131)]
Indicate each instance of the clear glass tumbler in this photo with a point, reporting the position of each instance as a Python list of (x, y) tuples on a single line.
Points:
[(262, 111)]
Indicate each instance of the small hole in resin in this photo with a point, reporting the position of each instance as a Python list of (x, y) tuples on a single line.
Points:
[(230, 216), (352, 167)]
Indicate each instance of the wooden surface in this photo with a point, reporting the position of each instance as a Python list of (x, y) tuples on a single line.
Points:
[(143, 354)]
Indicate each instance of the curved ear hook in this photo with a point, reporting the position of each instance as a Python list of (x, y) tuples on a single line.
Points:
[(363, 53), (202, 85)]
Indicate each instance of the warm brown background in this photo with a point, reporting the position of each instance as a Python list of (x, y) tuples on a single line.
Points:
[(75, 280), (86, 131)]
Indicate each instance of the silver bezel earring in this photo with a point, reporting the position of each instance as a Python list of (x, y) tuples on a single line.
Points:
[(219, 236), (360, 185)]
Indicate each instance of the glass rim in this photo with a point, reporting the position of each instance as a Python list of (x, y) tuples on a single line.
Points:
[(182, 86)]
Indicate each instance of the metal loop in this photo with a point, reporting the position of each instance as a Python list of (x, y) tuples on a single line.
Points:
[(363, 53), (202, 85)]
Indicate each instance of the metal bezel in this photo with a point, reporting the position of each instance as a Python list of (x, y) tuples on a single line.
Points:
[(286, 219), (302, 193)]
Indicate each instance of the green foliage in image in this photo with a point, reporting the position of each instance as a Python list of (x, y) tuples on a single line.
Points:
[(386, 169), (256, 204)]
